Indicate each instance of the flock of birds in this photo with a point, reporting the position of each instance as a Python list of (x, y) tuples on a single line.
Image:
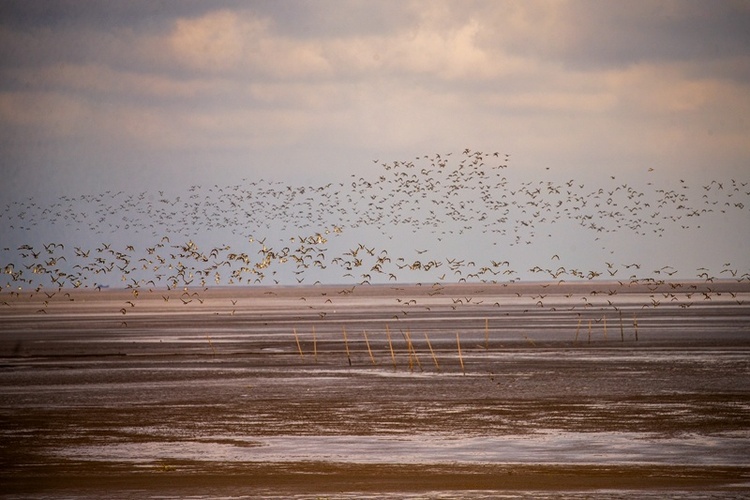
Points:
[(395, 226)]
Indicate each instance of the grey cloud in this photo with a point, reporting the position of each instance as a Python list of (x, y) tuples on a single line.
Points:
[(609, 34), (129, 35), (298, 19), (139, 15), (654, 32)]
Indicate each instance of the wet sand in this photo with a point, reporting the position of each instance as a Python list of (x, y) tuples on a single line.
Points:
[(558, 390)]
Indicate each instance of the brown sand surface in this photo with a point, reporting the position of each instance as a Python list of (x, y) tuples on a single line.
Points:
[(342, 392)]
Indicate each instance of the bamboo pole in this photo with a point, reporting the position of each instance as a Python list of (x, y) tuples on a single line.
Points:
[(605, 327), (408, 352), (635, 327), (299, 347), (410, 346), (213, 349), (589, 331), (578, 329), (622, 330), (346, 344), (367, 343), (434, 358), (315, 344), (390, 345)]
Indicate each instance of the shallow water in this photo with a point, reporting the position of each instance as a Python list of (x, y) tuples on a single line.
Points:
[(550, 447), (218, 400)]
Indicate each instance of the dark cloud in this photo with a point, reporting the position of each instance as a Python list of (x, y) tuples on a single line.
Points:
[(116, 34), (615, 34), (581, 34), (611, 34), (299, 19), (101, 14)]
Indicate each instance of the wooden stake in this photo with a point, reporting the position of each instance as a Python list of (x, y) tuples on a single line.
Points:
[(410, 346), (315, 345), (578, 329), (346, 344), (605, 327), (408, 352), (390, 345), (299, 348), (434, 358), (367, 342), (635, 327), (622, 330), (213, 349), (589, 331)]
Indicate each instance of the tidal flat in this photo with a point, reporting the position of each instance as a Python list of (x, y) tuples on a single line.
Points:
[(539, 390)]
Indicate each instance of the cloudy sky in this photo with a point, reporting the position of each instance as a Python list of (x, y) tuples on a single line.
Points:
[(103, 93), (142, 95)]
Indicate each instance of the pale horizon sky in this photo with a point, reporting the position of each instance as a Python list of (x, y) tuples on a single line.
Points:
[(146, 96)]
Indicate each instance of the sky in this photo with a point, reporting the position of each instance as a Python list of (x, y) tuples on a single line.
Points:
[(148, 96)]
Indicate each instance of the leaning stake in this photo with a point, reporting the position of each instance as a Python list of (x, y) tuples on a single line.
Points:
[(367, 343), (346, 345), (213, 349), (434, 358), (390, 345), (413, 351), (315, 345), (299, 348)]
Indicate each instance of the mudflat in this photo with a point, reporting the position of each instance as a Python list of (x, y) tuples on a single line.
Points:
[(466, 390)]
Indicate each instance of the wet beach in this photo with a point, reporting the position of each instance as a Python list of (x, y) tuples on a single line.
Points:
[(465, 390)]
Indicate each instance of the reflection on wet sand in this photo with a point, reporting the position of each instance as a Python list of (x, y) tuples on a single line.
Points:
[(215, 398)]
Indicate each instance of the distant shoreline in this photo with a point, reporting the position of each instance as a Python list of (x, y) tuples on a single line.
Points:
[(560, 286)]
